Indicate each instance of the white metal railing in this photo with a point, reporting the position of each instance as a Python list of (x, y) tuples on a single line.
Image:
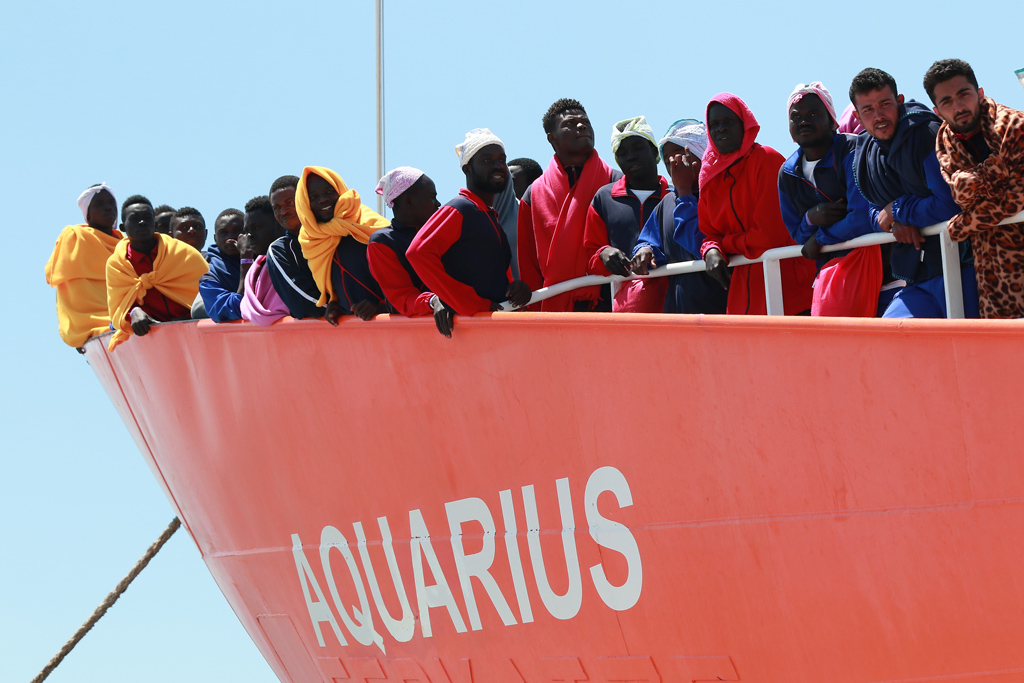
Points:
[(773, 272)]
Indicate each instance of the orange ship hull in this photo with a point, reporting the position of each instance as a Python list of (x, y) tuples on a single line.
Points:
[(597, 497)]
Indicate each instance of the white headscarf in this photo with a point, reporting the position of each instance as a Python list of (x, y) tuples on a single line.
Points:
[(636, 126), (476, 139), (85, 199), (687, 133), (397, 181)]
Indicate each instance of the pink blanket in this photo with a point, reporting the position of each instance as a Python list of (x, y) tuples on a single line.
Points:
[(260, 303)]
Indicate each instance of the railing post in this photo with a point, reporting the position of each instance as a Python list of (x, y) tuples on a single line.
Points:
[(773, 286), (951, 276)]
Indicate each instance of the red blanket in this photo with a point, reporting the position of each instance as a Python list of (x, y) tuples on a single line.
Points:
[(551, 231)]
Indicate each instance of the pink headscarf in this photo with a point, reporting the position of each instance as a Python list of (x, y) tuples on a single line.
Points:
[(261, 303), (848, 123), (395, 182), (815, 88), (714, 162)]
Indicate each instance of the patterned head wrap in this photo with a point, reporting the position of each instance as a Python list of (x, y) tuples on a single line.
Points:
[(686, 133), (395, 182), (636, 126), (85, 199), (476, 139), (815, 88)]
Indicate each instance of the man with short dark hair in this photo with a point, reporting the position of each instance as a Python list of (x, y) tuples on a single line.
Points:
[(553, 211), (173, 267), (523, 171), (188, 225), (219, 289), (980, 148), (260, 302), (289, 271), (77, 267), (618, 212), (461, 253), (164, 214), (898, 173), (821, 205)]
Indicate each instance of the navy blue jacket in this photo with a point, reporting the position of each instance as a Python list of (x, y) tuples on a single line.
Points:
[(834, 179), (219, 286), (615, 219), (905, 171), (463, 256), (291, 277)]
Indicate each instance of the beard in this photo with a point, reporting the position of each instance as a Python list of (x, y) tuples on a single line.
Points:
[(972, 124)]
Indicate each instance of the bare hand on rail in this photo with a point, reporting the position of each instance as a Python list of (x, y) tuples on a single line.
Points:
[(907, 234), (643, 261), (716, 265), (885, 218), (141, 321), (444, 317), (827, 213), (366, 309), (518, 293), (615, 261), (812, 249)]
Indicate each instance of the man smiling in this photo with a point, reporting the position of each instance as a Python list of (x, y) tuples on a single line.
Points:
[(980, 148), (739, 213), (898, 173), (336, 227), (461, 253), (553, 211)]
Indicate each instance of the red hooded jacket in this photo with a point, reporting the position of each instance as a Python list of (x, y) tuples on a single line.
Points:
[(739, 213)]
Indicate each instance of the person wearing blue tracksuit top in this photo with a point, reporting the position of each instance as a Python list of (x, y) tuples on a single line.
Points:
[(897, 171)]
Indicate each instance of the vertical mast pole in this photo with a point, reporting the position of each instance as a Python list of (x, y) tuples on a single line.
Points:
[(380, 98)]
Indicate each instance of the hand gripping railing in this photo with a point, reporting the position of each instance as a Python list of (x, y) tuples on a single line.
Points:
[(773, 272)]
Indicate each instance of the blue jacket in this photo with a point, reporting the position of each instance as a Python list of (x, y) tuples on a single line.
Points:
[(905, 171), (673, 234), (219, 286), (834, 179)]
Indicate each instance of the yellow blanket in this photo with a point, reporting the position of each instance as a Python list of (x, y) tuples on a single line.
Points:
[(176, 272), (77, 268), (319, 240)]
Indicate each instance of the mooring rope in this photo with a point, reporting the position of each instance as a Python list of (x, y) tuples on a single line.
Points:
[(109, 601)]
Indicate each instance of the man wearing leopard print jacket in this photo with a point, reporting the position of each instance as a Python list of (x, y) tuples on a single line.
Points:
[(980, 148)]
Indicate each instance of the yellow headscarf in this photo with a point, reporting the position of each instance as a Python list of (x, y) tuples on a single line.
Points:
[(319, 240), (77, 268), (176, 272)]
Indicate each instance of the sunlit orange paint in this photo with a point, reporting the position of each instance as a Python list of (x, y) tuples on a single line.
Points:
[(807, 499)]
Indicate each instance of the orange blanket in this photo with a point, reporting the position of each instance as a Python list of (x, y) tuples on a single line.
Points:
[(176, 272), (319, 240), (77, 269)]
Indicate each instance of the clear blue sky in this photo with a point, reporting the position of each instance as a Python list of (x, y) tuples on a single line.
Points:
[(205, 103)]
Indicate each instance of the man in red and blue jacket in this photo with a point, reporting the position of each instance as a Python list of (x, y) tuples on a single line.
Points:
[(461, 253), (619, 210)]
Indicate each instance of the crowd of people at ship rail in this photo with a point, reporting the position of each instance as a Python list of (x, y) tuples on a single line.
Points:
[(310, 248)]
